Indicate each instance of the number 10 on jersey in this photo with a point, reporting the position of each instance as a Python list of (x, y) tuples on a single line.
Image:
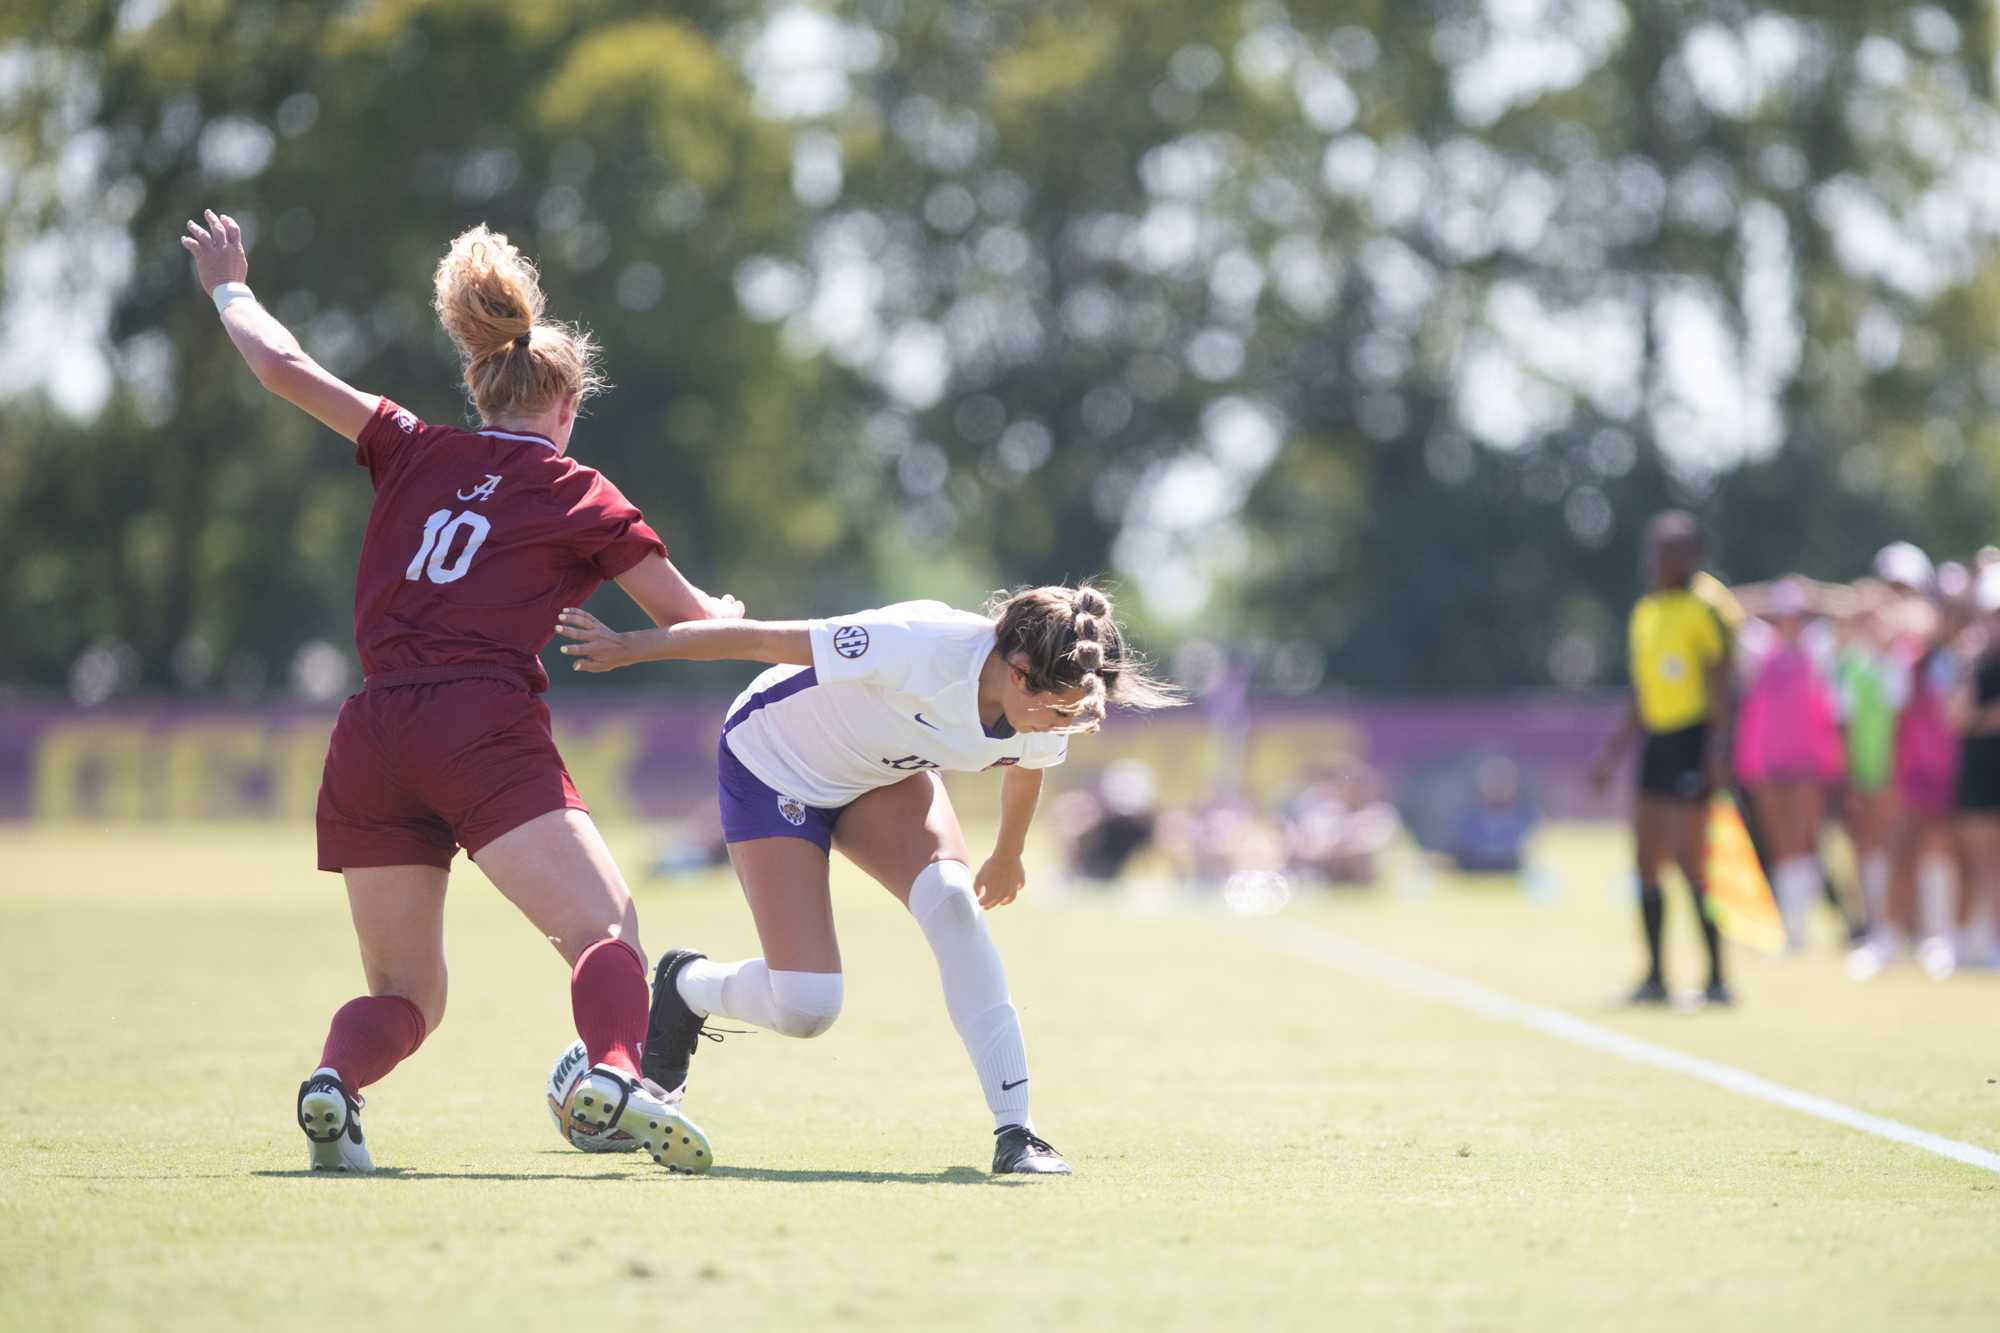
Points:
[(440, 531)]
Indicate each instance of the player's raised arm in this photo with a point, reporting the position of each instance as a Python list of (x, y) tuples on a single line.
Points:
[(268, 347), (598, 647)]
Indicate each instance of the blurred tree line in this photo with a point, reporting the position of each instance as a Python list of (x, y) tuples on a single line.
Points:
[(1355, 339)]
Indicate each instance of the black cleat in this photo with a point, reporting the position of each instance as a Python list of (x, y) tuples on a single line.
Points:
[(1718, 994), (1018, 1152), (672, 1029), (1651, 991)]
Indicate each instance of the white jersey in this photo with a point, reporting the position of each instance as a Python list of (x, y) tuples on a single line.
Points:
[(889, 693)]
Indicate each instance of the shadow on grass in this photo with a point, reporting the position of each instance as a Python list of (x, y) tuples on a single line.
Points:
[(955, 1175), (407, 1173)]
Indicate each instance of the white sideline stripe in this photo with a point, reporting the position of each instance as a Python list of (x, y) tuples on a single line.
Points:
[(1359, 960)]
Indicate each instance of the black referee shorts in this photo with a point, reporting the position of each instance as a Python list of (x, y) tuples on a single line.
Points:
[(1673, 765)]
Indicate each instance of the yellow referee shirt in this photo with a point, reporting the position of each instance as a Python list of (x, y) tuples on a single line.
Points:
[(1676, 636)]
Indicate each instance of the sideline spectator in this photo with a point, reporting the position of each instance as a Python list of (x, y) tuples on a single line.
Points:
[(1494, 827)]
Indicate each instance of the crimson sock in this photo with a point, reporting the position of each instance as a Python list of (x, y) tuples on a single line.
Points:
[(371, 1036), (609, 998)]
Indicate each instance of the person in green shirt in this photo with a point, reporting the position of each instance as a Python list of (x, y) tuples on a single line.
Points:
[(1870, 687)]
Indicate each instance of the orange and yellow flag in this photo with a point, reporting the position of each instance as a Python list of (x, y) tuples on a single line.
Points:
[(1739, 898)]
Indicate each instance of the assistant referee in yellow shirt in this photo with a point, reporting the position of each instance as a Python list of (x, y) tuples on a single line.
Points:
[(1682, 705)]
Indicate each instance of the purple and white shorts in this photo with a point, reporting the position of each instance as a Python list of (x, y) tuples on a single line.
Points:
[(750, 809)]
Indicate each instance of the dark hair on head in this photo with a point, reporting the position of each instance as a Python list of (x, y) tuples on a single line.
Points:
[(1064, 637), (1674, 527)]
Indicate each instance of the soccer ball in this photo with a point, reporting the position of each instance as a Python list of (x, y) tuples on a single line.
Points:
[(570, 1068)]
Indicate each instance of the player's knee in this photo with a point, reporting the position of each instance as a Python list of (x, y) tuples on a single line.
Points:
[(432, 1008), (423, 984), (427, 996), (943, 897), (807, 1002)]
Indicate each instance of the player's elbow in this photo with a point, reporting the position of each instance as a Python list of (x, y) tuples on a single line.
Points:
[(281, 370)]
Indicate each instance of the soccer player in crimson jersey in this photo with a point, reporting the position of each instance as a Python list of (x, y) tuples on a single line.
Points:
[(476, 541)]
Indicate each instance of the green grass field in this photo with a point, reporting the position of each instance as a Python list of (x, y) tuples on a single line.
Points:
[(1259, 1141)]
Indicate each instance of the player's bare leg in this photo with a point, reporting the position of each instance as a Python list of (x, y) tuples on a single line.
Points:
[(907, 838), (398, 916), (558, 871), (1979, 835)]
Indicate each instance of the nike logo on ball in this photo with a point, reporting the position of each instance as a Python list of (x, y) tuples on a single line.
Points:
[(1009, 1087)]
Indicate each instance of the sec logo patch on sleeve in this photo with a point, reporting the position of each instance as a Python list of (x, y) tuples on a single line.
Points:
[(850, 641)]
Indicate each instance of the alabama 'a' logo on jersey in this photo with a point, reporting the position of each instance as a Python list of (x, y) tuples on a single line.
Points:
[(484, 490)]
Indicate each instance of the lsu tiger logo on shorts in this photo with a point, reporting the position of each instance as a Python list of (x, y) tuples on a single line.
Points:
[(793, 809), (850, 641)]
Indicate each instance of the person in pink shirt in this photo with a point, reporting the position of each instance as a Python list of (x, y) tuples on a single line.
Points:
[(1922, 846), (1789, 753)]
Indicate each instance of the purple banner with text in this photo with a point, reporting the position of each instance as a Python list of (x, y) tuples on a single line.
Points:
[(656, 760)]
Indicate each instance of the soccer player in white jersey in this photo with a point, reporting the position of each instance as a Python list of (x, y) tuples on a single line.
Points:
[(838, 744)]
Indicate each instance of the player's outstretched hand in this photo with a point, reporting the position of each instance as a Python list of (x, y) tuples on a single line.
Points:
[(725, 607), (598, 647), (1000, 880), (217, 249)]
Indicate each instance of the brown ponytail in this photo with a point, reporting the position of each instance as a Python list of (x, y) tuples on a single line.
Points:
[(1067, 638), (489, 299)]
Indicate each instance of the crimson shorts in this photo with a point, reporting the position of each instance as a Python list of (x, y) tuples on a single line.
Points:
[(414, 772)]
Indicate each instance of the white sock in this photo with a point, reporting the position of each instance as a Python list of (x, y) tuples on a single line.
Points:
[(1875, 887), (1797, 884), (798, 1004), (975, 987), (1937, 892)]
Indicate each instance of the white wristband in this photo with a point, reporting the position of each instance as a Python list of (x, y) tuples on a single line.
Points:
[(225, 292)]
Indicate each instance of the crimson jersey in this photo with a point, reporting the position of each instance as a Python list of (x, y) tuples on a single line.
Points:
[(476, 540)]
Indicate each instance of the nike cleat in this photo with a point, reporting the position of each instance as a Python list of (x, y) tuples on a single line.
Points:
[(607, 1099), (1016, 1151), (331, 1118), (672, 1029)]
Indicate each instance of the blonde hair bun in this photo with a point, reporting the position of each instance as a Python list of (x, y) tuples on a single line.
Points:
[(488, 296)]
